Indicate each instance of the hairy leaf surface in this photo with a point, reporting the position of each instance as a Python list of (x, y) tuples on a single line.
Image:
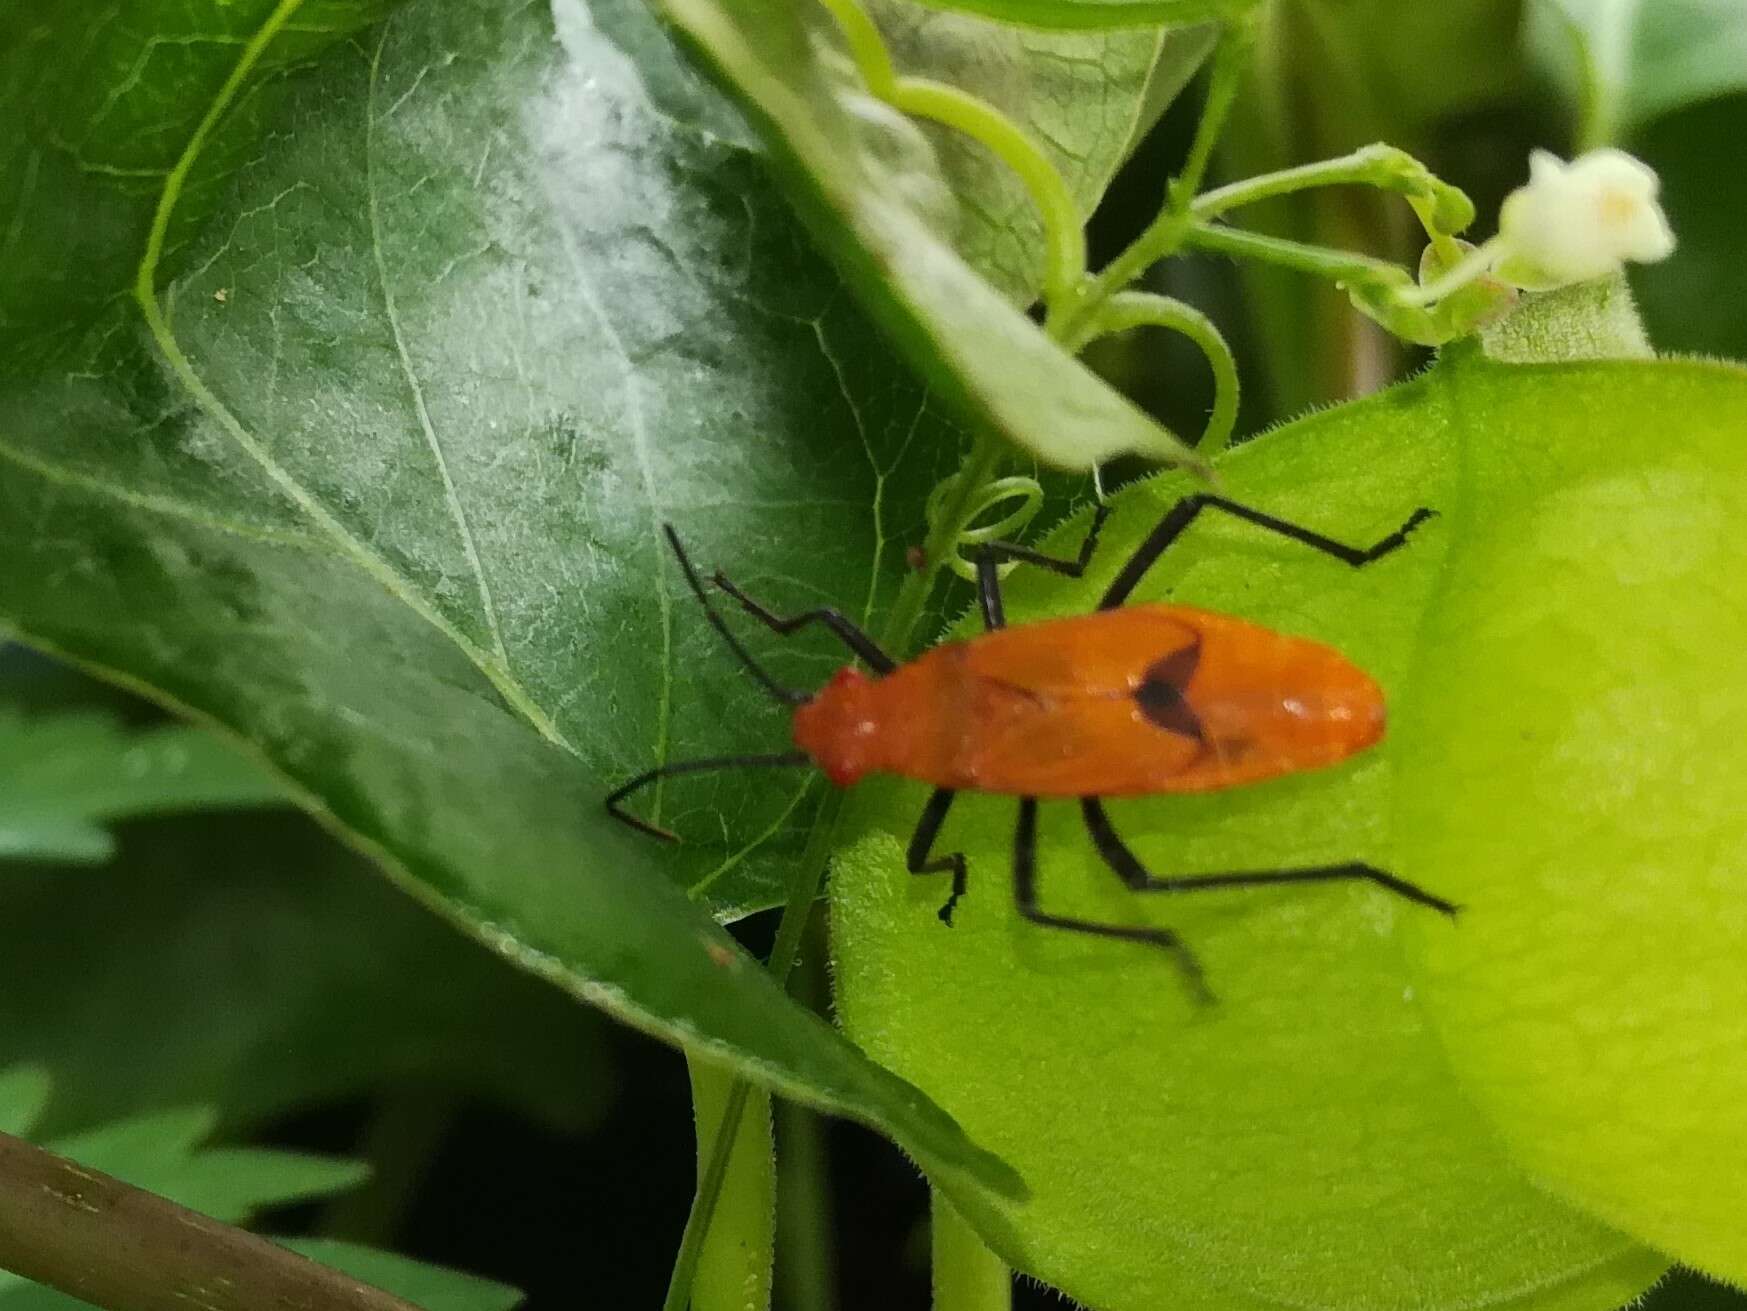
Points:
[(1384, 1108)]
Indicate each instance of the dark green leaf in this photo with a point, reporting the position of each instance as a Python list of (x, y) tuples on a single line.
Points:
[(162, 1153), (387, 508), (432, 1287), (864, 175), (1525, 1108), (253, 965), (1693, 301), (62, 775), (100, 109), (24, 1093)]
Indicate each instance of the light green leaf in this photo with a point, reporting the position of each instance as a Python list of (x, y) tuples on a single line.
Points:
[(62, 775), (1520, 1109), (1081, 14), (431, 1287), (255, 966), (1626, 62), (864, 176), (388, 508), (1594, 1007), (1085, 98)]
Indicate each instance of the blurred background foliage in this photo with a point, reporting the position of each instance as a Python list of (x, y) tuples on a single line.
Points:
[(175, 944)]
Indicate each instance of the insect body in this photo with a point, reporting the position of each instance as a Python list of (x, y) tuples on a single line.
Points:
[(1120, 703), (1123, 702)]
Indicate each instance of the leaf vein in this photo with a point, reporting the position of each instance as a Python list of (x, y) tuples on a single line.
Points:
[(457, 511), (146, 296), (639, 426), (162, 505)]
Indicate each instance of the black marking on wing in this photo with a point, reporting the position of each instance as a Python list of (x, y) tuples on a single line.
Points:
[(1161, 694)]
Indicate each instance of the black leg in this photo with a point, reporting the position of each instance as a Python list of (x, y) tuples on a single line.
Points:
[(1025, 896), (917, 858), (789, 696), (1129, 869), (847, 632), (991, 554), (1071, 568), (648, 776), (989, 590), (1183, 513)]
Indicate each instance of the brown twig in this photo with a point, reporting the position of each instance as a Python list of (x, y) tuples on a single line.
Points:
[(125, 1249)]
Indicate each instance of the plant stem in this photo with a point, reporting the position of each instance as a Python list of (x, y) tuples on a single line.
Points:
[(1384, 167), (803, 891), (1135, 309), (807, 1274), (980, 464), (967, 1275), (735, 1261), (1233, 52), (1458, 275), (1064, 232), (1339, 266), (1165, 233), (866, 47), (978, 468), (124, 1249), (406, 1128)]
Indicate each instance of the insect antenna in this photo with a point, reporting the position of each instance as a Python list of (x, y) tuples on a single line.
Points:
[(786, 695), (648, 776)]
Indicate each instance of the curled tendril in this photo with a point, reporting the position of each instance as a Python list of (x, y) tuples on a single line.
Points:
[(1027, 491), (1064, 235)]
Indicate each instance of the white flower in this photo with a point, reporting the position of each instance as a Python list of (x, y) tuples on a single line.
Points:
[(1581, 220)]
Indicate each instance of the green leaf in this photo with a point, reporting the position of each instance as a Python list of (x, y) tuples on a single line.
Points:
[(1083, 14), (253, 965), (1594, 1008), (863, 175), (432, 1287), (388, 508), (24, 1092), (1085, 98), (161, 1153), (62, 775), (1520, 1109), (1628, 62), (102, 110)]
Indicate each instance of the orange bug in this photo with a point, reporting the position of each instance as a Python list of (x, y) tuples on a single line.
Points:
[(1122, 702)]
